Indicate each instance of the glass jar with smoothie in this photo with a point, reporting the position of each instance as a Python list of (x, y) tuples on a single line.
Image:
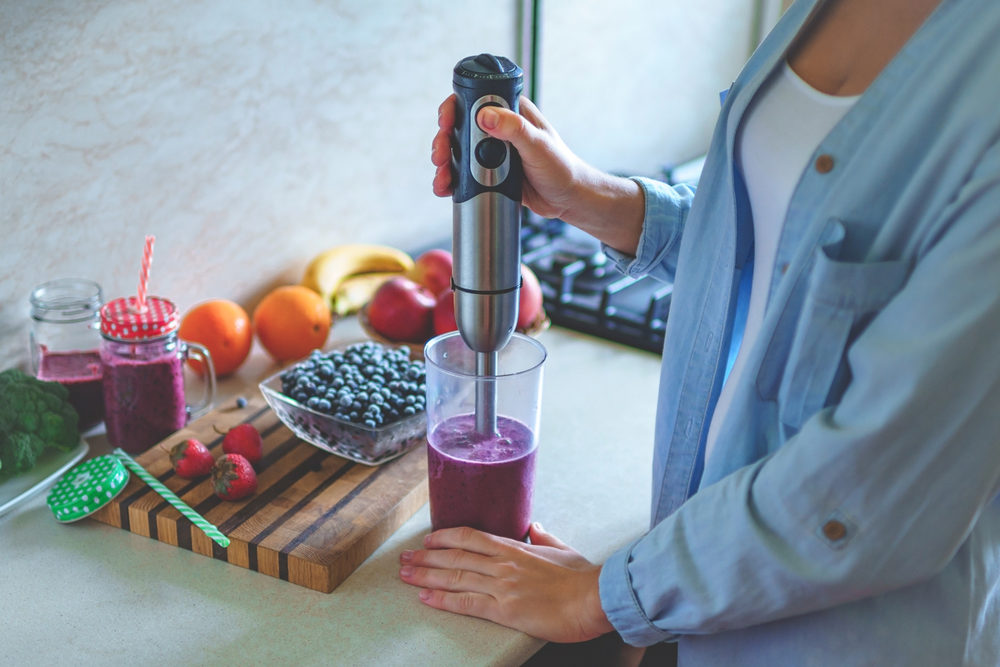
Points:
[(65, 339), (482, 480), (142, 360)]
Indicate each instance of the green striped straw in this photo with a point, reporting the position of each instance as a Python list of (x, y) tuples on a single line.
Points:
[(172, 498)]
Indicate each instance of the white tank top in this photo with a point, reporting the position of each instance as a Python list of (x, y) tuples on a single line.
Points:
[(784, 124)]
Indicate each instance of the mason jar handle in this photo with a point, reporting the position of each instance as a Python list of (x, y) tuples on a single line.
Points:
[(200, 353)]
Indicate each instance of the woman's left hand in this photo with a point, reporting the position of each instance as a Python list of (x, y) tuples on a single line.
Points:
[(545, 588)]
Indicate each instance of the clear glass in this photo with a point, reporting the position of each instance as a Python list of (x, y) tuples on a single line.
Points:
[(144, 392), (482, 479), (64, 342)]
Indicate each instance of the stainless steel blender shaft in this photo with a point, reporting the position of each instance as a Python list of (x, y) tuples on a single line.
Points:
[(486, 393)]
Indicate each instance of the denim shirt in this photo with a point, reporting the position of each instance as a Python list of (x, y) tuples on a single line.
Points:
[(849, 513)]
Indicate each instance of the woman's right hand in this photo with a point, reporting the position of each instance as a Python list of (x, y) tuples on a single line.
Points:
[(551, 170)]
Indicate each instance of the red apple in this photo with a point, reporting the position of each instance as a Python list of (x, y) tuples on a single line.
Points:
[(402, 310), (444, 313), (432, 269), (529, 304)]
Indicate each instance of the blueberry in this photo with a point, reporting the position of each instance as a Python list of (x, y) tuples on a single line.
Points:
[(345, 400)]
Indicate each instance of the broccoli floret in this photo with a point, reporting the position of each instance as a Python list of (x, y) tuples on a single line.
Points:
[(19, 452), (34, 415)]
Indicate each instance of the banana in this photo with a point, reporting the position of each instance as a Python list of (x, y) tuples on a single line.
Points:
[(327, 270), (357, 290)]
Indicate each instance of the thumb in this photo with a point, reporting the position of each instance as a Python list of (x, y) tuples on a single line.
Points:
[(538, 536), (504, 124)]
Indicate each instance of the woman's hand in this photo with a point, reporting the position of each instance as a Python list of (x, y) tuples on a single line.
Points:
[(545, 588), (549, 166), (557, 183)]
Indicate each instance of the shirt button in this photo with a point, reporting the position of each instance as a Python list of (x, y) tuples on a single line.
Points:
[(834, 530), (783, 268), (824, 163)]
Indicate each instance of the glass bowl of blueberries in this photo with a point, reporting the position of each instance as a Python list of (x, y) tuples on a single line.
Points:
[(365, 402)]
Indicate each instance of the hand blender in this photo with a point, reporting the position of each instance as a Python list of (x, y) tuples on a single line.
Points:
[(486, 244)]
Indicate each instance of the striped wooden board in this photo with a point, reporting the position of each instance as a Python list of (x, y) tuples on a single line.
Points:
[(314, 518)]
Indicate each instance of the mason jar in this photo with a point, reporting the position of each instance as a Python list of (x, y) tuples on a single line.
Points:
[(65, 340)]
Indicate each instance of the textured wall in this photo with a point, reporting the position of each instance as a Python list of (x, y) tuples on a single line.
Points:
[(247, 135)]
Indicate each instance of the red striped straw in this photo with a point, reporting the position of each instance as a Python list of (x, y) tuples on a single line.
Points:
[(147, 260)]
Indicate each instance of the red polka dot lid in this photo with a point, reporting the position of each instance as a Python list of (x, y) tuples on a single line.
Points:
[(122, 319)]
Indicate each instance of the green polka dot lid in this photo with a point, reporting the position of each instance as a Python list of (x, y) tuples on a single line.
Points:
[(87, 488)]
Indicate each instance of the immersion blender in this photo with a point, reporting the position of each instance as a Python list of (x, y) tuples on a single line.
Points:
[(486, 244)]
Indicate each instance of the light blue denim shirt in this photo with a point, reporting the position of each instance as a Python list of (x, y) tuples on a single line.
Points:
[(849, 514)]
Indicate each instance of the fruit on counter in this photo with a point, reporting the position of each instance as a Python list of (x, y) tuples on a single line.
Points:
[(244, 440), (402, 310), (35, 415), (233, 478), (191, 459), (327, 270), (224, 328), (365, 383), (432, 269), (355, 291), (529, 304), (444, 313), (291, 321)]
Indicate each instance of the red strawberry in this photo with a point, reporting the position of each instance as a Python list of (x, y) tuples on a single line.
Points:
[(191, 459), (233, 477), (244, 440)]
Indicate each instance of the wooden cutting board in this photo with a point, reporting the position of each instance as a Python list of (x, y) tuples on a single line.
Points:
[(314, 518)]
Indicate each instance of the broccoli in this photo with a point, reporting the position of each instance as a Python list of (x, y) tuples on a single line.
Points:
[(34, 415)]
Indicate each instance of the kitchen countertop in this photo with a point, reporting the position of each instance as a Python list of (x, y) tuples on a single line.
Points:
[(88, 592)]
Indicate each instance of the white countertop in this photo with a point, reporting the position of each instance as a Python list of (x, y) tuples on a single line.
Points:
[(88, 592)]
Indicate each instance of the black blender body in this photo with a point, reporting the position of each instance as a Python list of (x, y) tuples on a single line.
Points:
[(486, 244)]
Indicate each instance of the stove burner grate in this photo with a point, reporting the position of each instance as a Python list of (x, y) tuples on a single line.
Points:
[(583, 292)]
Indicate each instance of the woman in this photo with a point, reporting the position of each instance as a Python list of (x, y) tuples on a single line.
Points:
[(827, 456)]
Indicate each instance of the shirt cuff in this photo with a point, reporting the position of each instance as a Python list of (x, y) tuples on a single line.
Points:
[(621, 606), (660, 226)]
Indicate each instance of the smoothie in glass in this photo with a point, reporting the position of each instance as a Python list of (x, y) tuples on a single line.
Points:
[(144, 398), (481, 481), (80, 373)]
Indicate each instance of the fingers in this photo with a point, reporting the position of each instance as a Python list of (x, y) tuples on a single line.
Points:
[(468, 539), (538, 536), (446, 113), (467, 604), (441, 148)]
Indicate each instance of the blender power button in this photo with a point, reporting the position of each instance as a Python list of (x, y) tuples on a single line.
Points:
[(491, 153)]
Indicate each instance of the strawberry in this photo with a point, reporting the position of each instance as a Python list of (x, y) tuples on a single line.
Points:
[(233, 477), (244, 440), (191, 459)]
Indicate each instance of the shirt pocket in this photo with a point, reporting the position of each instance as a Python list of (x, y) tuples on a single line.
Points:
[(805, 369)]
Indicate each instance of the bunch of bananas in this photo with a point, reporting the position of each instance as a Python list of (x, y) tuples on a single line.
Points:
[(347, 276)]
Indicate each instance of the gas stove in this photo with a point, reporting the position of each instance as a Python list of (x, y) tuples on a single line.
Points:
[(583, 291)]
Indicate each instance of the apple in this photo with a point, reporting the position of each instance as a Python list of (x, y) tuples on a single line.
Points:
[(444, 313), (402, 310), (529, 302), (432, 269)]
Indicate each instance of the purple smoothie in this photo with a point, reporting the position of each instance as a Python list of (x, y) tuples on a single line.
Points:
[(80, 372), (143, 399), (485, 483)]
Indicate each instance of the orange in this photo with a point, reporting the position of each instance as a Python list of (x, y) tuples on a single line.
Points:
[(224, 328), (291, 322)]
